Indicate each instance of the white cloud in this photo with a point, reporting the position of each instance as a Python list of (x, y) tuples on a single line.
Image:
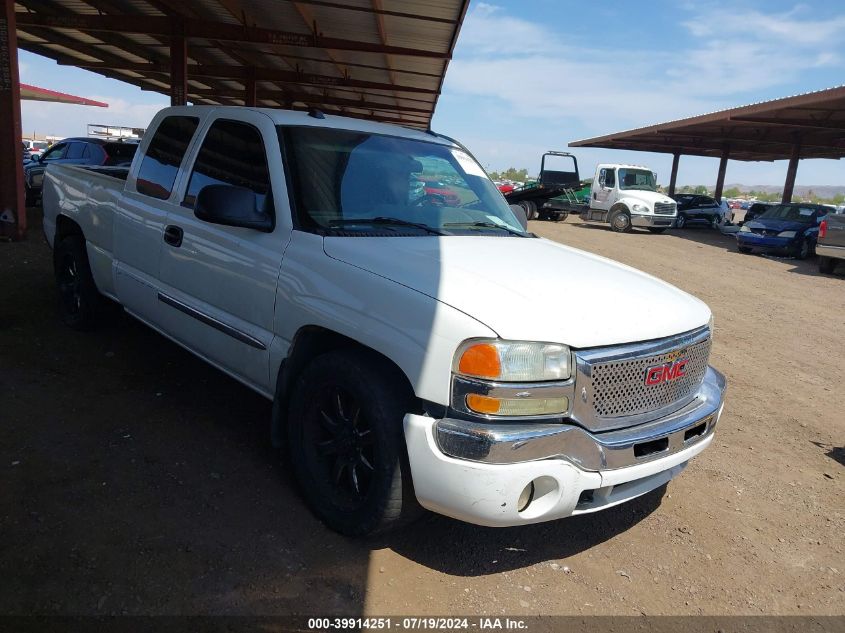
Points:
[(532, 69), (59, 119)]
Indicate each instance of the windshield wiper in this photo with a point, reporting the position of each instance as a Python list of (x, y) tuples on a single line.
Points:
[(489, 225), (388, 221)]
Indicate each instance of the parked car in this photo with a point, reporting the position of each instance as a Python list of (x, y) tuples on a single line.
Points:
[(830, 246), (694, 207), (439, 193), (76, 151), (393, 337), (756, 209), (35, 148), (787, 229)]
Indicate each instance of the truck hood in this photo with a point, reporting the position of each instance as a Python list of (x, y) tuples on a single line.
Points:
[(530, 289), (649, 197)]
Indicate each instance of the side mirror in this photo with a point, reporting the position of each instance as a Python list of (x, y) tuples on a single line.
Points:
[(231, 206), (519, 212)]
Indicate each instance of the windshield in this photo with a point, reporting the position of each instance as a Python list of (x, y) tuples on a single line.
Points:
[(641, 179), (355, 182), (793, 213)]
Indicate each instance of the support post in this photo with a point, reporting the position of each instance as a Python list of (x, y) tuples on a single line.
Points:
[(12, 209), (723, 168), (178, 66), (673, 179), (791, 172), (249, 90)]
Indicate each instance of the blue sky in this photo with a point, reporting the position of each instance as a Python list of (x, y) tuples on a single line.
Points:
[(534, 75)]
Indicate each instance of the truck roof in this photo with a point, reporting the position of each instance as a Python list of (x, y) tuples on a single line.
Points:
[(624, 166), (295, 117)]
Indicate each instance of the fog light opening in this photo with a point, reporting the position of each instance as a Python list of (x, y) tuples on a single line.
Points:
[(525, 497)]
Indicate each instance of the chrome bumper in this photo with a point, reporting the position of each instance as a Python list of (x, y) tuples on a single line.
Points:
[(509, 443), (837, 252), (652, 220)]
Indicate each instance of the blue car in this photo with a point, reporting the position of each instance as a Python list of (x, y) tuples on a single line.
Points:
[(785, 229)]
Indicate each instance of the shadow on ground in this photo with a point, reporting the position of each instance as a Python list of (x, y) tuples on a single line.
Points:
[(137, 479)]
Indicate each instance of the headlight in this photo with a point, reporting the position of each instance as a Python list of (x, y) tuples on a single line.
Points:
[(512, 379), (640, 208), (786, 234), (744, 229), (509, 361)]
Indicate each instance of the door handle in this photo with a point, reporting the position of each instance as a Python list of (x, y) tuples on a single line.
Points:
[(173, 235)]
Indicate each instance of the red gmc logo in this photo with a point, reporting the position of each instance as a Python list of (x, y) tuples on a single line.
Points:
[(666, 373)]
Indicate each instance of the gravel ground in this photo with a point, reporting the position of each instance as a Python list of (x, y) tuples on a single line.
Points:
[(135, 479)]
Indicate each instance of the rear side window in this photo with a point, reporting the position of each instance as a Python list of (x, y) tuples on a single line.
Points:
[(164, 155), (75, 150), (120, 153), (232, 153)]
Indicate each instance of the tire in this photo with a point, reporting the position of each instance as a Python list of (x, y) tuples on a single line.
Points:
[(530, 209), (803, 250), (681, 221), (81, 306), (620, 221), (714, 221), (743, 249), (656, 230), (826, 264), (30, 197), (347, 446)]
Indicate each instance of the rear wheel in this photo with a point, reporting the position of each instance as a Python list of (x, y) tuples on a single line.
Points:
[(530, 209), (347, 444), (826, 264), (81, 306)]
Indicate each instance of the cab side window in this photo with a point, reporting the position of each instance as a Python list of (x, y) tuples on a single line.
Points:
[(610, 178), (232, 153), (164, 155)]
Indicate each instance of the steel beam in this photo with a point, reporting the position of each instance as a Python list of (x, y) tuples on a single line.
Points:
[(723, 168), (205, 29), (791, 173), (673, 179), (12, 210), (261, 74), (178, 66), (310, 98)]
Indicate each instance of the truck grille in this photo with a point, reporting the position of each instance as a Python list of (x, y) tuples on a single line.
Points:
[(664, 208), (611, 382)]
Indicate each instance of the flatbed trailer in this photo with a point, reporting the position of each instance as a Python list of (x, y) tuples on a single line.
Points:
[(554, 195)]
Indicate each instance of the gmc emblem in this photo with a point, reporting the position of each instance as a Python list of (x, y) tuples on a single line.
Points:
[(666, 373)]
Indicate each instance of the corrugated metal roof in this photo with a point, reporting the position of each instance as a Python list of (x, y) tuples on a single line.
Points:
[(380, 59), (766, 130)]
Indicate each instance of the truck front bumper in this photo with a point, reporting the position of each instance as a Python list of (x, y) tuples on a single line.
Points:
[(664, 221), (478, 472)]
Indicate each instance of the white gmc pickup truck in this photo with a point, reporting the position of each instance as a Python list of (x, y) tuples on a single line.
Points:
[(302, 255)]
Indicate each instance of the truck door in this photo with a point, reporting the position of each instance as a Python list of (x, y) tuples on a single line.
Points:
[(140, 220), (603, 193), (218, 281)]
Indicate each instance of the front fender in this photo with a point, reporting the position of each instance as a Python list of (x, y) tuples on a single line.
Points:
[(415, 331)]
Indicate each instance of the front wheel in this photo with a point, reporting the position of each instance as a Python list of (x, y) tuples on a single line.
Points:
[(681, 221), (621, 222), (715, 221), (803, 250), (347, 446)]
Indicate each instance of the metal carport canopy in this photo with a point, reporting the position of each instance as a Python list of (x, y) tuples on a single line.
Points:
[(383, 60), (764, 131), (810, 125)]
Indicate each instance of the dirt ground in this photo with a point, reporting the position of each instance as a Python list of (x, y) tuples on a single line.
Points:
[(135, 479)]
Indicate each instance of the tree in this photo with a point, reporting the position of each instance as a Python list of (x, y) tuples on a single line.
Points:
[(700, 190), (733, 192)]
